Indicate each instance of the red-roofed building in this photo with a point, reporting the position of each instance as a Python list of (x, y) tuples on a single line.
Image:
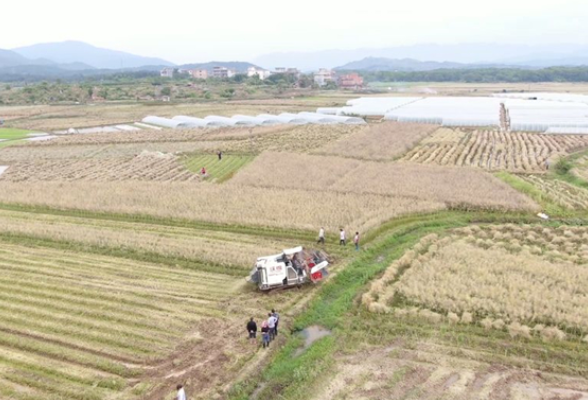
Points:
[(350, 81)]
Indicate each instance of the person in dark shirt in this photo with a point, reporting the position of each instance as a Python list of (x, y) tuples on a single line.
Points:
[(252, 329), (265, 334), (277, 317)]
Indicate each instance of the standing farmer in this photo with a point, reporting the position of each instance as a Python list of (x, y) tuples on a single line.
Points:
[(321, 238), (271, 323), (277, 317), (265, 336), (181, 393), (342, 237), (252, 329), (356, 241), (220, 155)]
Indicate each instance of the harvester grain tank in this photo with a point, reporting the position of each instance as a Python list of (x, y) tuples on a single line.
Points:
[(292, 267)]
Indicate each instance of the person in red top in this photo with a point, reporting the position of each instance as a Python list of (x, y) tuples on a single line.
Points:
[(203, 171), (356, 240)]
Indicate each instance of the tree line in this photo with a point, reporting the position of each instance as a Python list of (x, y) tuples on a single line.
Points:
[(482, 75)]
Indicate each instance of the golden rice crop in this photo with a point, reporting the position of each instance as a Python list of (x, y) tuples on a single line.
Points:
[(568, 243), (209, 246), (495, 150), (563, 193), (498, 283), (464, 278), (456, 187), (228, 203), (145, 167), (378, 142)]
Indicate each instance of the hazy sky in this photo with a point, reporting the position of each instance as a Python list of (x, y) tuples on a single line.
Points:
[(186, 31)]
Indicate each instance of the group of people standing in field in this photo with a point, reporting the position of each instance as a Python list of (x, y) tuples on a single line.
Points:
[(342, 238), (269, 329)]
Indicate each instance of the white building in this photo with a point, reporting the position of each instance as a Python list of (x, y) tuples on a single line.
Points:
[(261, 73), (290, 71), (167, 73), (223, 73), (324, 76)]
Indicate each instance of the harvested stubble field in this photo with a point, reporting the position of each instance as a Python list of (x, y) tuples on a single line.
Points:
[(581, 168), (53, 118), (452, 187), (147, 166), (427, 370), (562, 193), (84, 326), (165, 135), (527, 280), (494, 150), (380, 142)]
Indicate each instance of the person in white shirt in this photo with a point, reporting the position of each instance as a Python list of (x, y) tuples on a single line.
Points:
[(271, 323), (321, 238), (181, 392), (342, 237)]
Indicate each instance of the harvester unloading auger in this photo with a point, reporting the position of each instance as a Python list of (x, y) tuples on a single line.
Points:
[(292, 267)]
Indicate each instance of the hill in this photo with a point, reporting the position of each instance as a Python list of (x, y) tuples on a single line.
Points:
[(467, 53), (80, 52), (239, 66), (405, 64)]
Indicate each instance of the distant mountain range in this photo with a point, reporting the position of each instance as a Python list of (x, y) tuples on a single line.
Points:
[(409, 64), (95, 57), (239, 66), (471, 53), (77, 59)]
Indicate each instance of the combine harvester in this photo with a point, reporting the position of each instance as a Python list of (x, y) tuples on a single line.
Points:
[(292, 267)]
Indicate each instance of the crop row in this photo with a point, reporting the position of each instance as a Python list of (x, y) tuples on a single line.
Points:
[(506, 277), (563, 193), (143, 167), (378, 142), (71, 321), (495, 150)]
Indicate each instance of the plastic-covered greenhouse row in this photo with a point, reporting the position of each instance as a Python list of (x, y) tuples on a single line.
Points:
[(555, 97), (374, 106), (450, 111), (541, 115), (564, 130), (167, 123), (183, 121)]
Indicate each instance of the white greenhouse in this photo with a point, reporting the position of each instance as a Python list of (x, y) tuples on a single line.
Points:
[(316, 118), (244, 119), (200, 122), (167, 123), (267, 119), (221, 120), (286, 118)]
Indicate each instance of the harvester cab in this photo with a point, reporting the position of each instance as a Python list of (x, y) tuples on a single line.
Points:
[(292, 267)]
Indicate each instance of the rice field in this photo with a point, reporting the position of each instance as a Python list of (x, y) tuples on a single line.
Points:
[(229, 252), (381, 142), (453, 187), (11, 136), (147, 166), (83, 326), (562, 193), (527, 280), (220, 204), (494, 150), (216, 170)]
